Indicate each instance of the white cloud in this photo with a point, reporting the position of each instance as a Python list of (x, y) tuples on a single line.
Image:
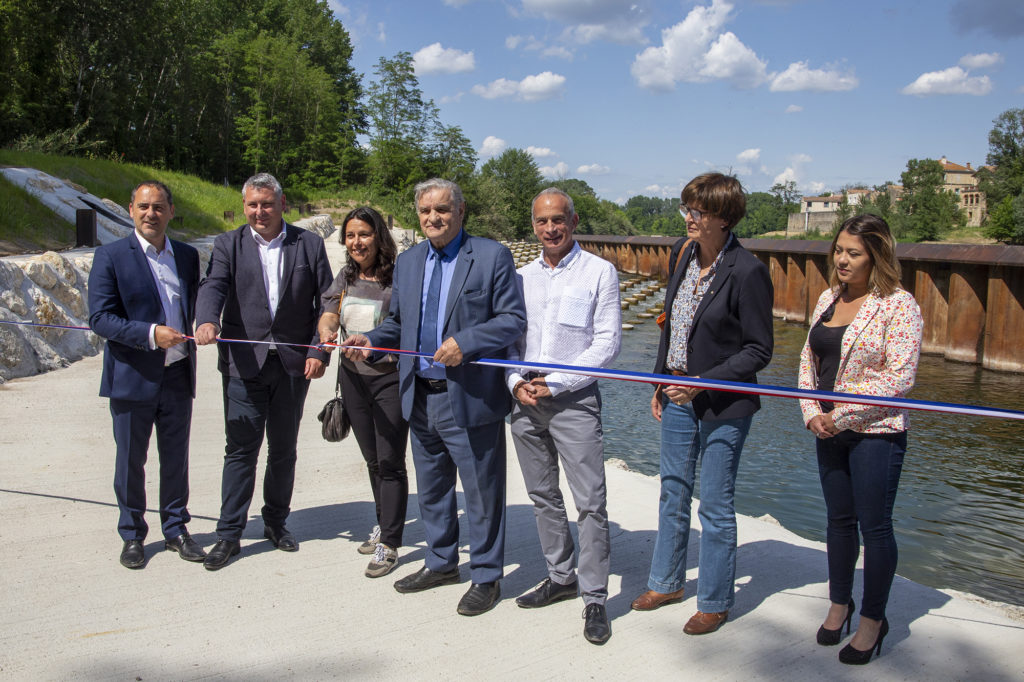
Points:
[(437, 59), (696, 50), (981, 61), (447, 99), (545, 48), (794, 108), (532, 88), (593, 169), (382, 36), (557, 51), (540, 152), (492, 146), (559, 170), (798, 77), (457, 3), (795, 173), (592, 20), (951, 81), (816, 187), (748, 155)]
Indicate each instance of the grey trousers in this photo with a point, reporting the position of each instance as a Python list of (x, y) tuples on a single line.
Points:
[(567, 427)]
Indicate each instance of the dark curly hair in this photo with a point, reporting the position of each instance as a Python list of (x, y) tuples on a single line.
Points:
[(387, 251)]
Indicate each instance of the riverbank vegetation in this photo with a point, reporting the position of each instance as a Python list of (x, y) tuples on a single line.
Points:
[(221, 89)]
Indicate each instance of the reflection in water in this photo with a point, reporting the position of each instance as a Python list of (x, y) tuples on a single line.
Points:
[(959, 513)]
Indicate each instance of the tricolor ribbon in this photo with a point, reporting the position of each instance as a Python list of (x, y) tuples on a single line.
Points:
[(664, 379)]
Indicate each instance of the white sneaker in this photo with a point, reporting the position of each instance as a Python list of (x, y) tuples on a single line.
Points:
[(370, 545), (383, 561)]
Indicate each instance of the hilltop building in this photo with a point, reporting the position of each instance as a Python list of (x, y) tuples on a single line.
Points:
[(819, 213)]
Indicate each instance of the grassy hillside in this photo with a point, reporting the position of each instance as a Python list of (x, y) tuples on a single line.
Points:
[(26, 225)]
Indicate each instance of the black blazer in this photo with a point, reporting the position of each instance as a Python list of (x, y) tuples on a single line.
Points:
[(732, 336), (234, 297), (123, 304)]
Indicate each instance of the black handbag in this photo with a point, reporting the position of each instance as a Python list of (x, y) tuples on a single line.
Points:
[(334, 418)]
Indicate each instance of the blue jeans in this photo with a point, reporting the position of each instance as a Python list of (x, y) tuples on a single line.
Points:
[(684, 440), (859, 476)]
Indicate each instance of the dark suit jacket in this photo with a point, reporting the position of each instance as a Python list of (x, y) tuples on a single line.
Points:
[(732, 336), (234, 297), (485, 314), (123, 304)]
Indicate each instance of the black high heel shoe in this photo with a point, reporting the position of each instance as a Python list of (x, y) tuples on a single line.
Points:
[(852, 656), (828, 637)]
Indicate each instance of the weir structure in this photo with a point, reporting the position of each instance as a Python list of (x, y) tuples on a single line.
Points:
[(971, 296)]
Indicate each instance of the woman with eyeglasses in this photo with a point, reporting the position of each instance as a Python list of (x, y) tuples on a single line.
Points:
[(865, 338), (718, 326)]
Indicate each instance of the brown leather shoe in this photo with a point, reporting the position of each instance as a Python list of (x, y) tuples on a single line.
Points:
[(650, 600), (705, 623)]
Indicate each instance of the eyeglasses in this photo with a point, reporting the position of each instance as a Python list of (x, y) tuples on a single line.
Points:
[(694, 213)]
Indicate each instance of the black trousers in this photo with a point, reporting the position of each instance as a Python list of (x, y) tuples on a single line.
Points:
[(171, 413), (375, 409), (269, 403)]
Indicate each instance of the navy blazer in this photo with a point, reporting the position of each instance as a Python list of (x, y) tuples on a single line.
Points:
[(485, 314), (732, 336), (124, 303), (234, 297)]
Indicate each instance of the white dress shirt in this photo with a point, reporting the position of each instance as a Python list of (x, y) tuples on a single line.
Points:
[(270, 257), (573, 317), (165, 274)]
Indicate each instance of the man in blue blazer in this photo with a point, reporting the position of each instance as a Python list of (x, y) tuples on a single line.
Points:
[(142, 295), (263, 284), (454, 299)]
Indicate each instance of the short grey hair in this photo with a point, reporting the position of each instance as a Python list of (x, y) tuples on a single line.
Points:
[(438, 183), (263, 181), (557, 192)]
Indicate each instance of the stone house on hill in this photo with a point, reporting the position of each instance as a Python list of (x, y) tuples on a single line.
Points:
[(963, 181)]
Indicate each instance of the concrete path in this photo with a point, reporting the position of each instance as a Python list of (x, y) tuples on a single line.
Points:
[(71, 612)]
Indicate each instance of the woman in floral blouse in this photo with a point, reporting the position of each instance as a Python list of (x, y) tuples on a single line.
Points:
[(865, 338)]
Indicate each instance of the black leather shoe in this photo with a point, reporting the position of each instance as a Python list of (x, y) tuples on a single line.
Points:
[(132, 554), (281, 538), (597, 630), (425, 579), (221, 554), (547, 592), (186, 547), (480, 598)]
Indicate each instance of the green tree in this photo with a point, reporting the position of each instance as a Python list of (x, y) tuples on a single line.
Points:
[(766, 212), (1006, 221), (451, 155), (929, 210), (1006, 156), (516, 173), (400, 124), (786, 192)]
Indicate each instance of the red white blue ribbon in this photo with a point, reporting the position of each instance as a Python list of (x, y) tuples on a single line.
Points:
[(665, 379)]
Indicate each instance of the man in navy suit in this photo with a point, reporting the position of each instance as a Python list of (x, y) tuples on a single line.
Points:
[(142, 295), (454, 299), (263, 284)]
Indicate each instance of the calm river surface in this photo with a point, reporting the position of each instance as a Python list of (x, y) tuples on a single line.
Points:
[(959, 513)]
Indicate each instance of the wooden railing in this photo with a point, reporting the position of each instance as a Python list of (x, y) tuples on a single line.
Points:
[(971, 297)]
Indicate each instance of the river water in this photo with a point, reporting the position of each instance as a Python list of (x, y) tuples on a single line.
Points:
[(959, 514)]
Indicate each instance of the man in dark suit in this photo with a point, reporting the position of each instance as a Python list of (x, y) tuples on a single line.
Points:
[(454, 299), (142, 295), (263, 284)]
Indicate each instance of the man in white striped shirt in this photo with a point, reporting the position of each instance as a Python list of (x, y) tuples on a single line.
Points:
[(573, 317)]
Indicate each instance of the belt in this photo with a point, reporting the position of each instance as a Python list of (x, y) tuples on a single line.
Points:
[(433, 385)]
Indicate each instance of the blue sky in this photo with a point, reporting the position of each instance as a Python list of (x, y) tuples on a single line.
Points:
[(637, 97)]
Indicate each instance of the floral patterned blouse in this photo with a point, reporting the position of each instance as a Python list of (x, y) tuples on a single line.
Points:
[(879, 356), (684, 307)]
